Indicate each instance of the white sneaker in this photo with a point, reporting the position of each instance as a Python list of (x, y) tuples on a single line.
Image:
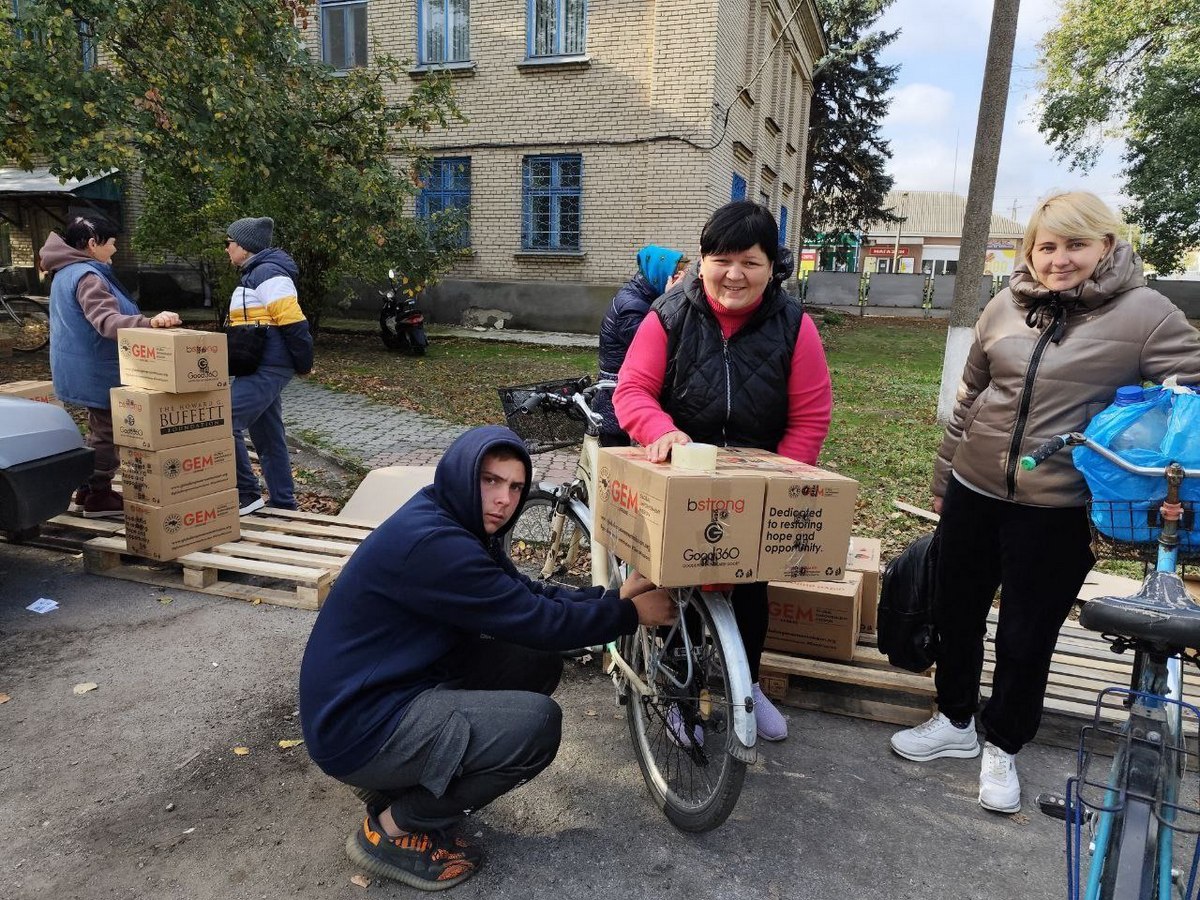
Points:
[(936, 738), (999, 787)]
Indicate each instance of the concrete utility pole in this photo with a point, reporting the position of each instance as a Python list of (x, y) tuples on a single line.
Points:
[(977, 221)]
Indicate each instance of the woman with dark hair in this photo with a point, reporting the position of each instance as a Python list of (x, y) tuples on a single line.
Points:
[(87, 306), (727, 357)]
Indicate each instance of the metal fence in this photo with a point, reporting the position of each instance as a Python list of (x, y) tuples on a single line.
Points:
[(885, 292)]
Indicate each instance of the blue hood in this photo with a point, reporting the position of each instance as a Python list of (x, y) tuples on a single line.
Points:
[(657, 264), (456, 480)]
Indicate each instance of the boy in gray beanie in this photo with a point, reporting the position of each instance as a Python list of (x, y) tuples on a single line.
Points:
[(253, 235), (265, 295)]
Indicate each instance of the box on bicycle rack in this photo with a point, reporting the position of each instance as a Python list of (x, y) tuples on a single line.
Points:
[(679, 527), (545, 428)]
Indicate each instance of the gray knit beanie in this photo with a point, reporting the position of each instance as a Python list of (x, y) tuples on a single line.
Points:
[(253, 234)]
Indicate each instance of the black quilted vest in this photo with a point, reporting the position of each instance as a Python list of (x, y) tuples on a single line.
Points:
[(729, 393)]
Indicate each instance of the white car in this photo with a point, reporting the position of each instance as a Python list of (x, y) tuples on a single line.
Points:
[(42, 461)]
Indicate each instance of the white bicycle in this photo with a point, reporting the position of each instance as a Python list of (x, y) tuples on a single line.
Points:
[(686, 689)]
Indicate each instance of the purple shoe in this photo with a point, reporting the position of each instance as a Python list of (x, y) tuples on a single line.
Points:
[(677, 730)]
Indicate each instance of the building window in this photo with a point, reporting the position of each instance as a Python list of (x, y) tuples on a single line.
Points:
[(87, 41), (5, 245), (557, 27), (738, 192), (444, 27), (344, 34), (783, 217), (552, 188), (448, 186)]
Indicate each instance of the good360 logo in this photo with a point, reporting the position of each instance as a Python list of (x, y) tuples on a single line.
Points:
[(204, 370)]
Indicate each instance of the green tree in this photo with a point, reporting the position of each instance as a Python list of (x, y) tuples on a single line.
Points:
[(847, 183), (220, 108), (1129, 69)]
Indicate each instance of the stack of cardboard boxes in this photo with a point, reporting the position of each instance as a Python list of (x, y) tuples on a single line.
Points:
[(172, 420), (757, 517)]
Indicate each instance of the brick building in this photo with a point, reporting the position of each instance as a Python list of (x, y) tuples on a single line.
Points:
[(593, 128)]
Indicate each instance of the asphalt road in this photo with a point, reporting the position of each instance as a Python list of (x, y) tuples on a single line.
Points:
[(133, 789)]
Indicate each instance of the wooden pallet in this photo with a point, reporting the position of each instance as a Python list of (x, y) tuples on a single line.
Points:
[(867, 687), (283, 557)]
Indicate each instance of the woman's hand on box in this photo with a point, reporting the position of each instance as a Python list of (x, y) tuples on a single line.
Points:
[(659, 450), (166, 320)]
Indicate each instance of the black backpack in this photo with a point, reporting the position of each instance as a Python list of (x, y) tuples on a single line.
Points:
[(905, 624)]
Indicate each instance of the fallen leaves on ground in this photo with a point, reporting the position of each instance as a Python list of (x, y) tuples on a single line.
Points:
[(4, 698), (361, 880), (85, 687), (241, 751), (289, 744)]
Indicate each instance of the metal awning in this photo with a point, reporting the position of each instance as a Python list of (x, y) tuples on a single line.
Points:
[(40, 181)]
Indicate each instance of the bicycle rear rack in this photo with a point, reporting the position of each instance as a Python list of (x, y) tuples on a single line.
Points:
[(1123, 760)]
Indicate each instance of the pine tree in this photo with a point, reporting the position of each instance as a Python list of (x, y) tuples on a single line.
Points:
[(846, 181)]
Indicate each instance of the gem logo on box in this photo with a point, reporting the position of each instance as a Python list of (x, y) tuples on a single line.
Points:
[(623, 495)]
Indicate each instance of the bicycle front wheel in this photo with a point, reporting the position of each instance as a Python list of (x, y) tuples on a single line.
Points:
[(33, 324), (683, 728), (564, 560)]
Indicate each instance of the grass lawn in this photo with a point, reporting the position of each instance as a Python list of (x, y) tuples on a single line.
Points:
[(885, 375)]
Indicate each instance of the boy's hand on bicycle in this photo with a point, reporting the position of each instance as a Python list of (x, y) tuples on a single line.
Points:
[(656, 607), (635, 584)]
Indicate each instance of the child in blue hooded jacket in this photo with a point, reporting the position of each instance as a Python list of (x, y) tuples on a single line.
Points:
[(659, 268), (401, 695)]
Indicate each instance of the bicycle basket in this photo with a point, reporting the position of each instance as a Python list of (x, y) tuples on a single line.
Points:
[(1129, 530), (545, 427)]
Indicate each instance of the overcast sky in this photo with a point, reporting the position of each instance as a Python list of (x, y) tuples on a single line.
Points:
[(941, 51)]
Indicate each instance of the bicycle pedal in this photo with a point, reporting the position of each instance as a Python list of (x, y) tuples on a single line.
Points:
[(1055, 806)]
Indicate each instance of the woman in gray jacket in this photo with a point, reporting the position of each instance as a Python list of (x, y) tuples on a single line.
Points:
[(1075, 323)]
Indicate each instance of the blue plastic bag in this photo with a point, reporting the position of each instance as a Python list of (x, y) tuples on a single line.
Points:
[(1125, 505)]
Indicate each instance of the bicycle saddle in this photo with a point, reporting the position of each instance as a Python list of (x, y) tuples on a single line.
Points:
[(1162, 613)]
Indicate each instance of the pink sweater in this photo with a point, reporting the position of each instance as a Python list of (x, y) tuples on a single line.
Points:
[(810, 396)]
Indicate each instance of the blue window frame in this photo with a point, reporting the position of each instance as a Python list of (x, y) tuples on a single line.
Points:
[(344, 33), (738, 191), (783, 217), (87, 41), (551, 202), (444, 30), (556, 28), (448, 186)]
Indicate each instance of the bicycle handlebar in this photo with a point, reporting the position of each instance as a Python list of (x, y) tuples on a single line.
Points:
[(1078, 439), (579, 398)]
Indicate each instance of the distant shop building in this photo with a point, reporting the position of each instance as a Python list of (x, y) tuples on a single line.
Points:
[(925, 240)]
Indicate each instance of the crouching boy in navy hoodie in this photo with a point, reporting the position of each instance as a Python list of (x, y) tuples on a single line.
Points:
[(403, 698)]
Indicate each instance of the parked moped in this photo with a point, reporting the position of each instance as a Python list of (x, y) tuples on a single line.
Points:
[(401, 323)]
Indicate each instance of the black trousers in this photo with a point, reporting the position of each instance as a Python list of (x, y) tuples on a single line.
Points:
[(752, 613), (1038, 557), (460, 746)]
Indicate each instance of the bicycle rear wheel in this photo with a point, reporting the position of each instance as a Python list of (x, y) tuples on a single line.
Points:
[(682, 730), (530, 544), (33, 324)]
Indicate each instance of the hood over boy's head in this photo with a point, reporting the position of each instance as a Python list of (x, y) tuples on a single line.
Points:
[(457, 480)]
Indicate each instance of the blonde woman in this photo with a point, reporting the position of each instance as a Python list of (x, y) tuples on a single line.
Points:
[(1075, 323)]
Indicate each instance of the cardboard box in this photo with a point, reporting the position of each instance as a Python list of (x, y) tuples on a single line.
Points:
[(815, 618), (678, 527), (808, 513), (178, 360), (163, 477), (166, 532), (864, 558), (156, 420), (42, 391)]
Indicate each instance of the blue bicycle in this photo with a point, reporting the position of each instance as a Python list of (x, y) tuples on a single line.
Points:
[(1128, 795)]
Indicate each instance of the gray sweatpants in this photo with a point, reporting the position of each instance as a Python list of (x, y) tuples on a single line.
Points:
[(460, 746)]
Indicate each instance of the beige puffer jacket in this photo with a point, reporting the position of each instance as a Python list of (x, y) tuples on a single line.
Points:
[(1024, 383)]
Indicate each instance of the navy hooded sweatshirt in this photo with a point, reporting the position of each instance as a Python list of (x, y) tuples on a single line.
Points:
[(414, 601)]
